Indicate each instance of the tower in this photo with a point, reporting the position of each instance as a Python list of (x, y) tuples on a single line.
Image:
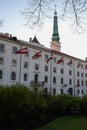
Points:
[(55, 43)]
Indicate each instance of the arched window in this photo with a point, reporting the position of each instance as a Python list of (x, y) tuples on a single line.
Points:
[(25, 77), (54, 79), (0, 74), (82, 83), (36, 78), (13, 76), (54, 91), (70, 81)]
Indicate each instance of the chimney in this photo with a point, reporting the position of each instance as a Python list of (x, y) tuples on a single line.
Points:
[(30, 39), (10, 35), (86, 59)]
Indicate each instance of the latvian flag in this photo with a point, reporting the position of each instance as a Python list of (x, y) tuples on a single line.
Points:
[(60, 60), (22, 51), (85, 66), (78, 64), (70, 62), (37, 55), (77, 85), (50, 58)]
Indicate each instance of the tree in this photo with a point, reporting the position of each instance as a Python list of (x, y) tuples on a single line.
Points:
[(1, 22), (75, 10)]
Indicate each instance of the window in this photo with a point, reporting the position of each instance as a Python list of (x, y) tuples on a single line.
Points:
[(54, 91), (86, 75), (70, 81), (82, 83), (36, 66), (82, 91), (1, 60), (82, 66), (54, 79), (70, 72), (36, 78), (54, 69), (82, 74), (62, 91), (54, 59), (46, 68), (14, 63), (86, 83), (78, 92), (61, 81), (78, 83), (13, 76), (25, 64), (1, 74), (62, 71), (25, 77), (46, 57), (78, 74), (2, 47), (46, 79), (14, 50)]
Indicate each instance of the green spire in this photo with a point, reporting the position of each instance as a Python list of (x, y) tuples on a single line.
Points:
[(55, 36)]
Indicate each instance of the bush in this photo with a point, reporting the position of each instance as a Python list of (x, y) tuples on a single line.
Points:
[(21, 108), (83, 105)]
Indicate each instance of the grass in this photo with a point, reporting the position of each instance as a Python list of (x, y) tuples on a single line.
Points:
[(67, 123)]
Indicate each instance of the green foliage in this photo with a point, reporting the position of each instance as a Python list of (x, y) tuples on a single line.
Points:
[(62, 104), (22, 108), (83, 105)]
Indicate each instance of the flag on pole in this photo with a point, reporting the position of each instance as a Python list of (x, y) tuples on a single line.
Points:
[(22, 51), (70, 62), (60, 60), (85, 66), (37, 55), (78, 64), (77, 85), (50, 58), (64, 85)]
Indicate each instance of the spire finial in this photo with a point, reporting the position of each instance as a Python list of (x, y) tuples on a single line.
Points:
[(55, 10), (55, 6)]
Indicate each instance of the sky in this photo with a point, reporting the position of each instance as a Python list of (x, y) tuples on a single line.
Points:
[(72, 43)]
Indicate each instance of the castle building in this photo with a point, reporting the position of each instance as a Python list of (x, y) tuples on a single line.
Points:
[(41, 68)]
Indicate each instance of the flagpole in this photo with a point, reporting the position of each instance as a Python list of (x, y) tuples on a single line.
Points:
[(51, 73), (74, 78), (21, 51), (50, 76), (20, 69)]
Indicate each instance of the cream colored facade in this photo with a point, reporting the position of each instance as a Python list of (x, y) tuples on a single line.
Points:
[(54, 78)]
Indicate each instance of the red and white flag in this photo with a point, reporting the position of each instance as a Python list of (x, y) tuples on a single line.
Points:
[(50, 58), (70, 62), (78, 64), (22, 51), (60, 60), (85, 66), (77, 85), (37, 55), (64, 85)]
